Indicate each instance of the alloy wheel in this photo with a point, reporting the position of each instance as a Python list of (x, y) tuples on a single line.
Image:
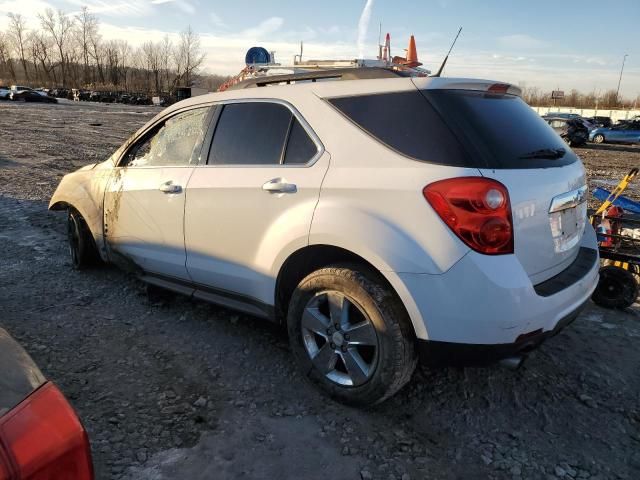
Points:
[(339, 338)]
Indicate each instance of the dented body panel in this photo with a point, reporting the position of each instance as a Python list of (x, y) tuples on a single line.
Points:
[(84, 190)]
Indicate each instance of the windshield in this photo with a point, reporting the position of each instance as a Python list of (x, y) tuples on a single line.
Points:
[(502, 131)]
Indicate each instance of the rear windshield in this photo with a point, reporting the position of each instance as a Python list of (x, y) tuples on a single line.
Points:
[(501, 130), (459, 128)]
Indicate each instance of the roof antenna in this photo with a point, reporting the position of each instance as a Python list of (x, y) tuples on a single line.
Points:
[(380, 42), (444, 62)]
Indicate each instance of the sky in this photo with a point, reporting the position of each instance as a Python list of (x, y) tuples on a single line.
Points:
[(535, 43)]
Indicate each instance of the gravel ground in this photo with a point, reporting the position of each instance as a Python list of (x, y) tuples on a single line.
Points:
[(173, 388)]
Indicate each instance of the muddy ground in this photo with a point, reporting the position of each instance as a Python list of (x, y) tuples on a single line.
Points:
[(173, 388)]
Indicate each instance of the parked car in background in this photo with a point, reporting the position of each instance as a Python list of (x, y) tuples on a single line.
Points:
[(31, 96), (379, 220), (635, 118), (599, 121), (41, 436), (561, 115), (62, 93), (20, 88), (571, 130), (628, 132), (4, 93)]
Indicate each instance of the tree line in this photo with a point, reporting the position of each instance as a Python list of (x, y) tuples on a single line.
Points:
[(535, 97), (68, 51)]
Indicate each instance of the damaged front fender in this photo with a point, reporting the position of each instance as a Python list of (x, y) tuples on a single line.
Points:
[(84, 190)]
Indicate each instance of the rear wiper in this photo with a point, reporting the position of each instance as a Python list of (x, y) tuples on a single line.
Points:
[(550, 153)]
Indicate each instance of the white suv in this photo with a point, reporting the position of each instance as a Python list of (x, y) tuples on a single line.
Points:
[(382, 220)]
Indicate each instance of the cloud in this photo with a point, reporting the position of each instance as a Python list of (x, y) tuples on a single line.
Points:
[(183, 5), (216, 20), (29, 9), (126, 8), (332, 30), (545, 70), (264, 29), (521, 41)]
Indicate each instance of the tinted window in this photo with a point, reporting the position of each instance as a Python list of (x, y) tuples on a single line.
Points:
[(176, 142), (407, 123), (300, 147), (250, 134), (499, 130)]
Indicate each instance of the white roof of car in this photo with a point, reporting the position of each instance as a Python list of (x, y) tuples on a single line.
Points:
[(337, 88)]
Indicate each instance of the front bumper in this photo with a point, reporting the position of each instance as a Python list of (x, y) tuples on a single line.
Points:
[(434, 353)]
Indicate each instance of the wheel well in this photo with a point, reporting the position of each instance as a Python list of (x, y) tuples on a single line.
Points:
[(60, 206), (307, 260)]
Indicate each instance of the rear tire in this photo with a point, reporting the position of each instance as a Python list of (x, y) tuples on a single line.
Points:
[(617, 288), (82, 246), (599, 138), (351, 335)]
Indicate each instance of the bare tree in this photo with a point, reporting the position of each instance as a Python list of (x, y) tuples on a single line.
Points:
[(5, 56), (124, 55), (97, 54), (609, 99), (33, 57), (151, 53), (41, 53), (112, 61), (166, 50), (87, 31), (18, 37), (188, 56), (58, 25)]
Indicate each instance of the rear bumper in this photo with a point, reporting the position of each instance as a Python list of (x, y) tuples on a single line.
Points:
[(491, 301), (435, 353)]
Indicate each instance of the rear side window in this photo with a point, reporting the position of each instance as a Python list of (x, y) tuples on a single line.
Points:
[(260, 133), (250, 134), (500, 131), (300, 147), (407, 123)]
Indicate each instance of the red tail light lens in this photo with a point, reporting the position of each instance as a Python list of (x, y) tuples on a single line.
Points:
[(477, 210), (42, 439), (498, 88)]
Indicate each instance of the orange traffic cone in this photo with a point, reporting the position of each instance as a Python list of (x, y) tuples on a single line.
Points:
[(411, 60), (412, 53)]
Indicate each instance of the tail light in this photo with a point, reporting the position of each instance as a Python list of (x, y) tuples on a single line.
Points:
[(42, 439), (477, 210)]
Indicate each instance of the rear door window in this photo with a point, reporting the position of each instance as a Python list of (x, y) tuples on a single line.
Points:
[(250, 134), (260, 133)]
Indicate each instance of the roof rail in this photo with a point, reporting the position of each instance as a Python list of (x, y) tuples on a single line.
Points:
[(348, 73)]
